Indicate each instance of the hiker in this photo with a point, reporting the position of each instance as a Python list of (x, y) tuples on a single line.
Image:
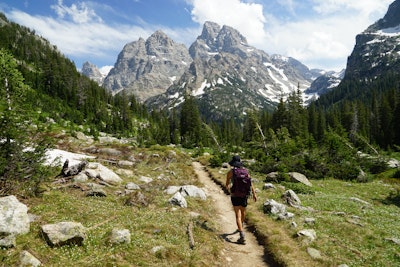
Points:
[(240, 192)]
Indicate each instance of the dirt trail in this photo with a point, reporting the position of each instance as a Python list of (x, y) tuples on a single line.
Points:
[(250, 254)]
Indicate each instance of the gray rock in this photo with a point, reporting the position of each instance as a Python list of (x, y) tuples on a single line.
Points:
[(132, 186), (309, 221), (8, 241), (81, 178), (145, 179), (14, 219), (172, 189), (97, 170), (120, 236), (272, 177), (268, 186), (298, 177), (291, 198), (273, 207), (285, 216), (64, 233), (96, 193), (309, 234), (125, 163), (156, 249), (193, 191), (314, 253), (393, 163), (28, 260), (178, 199)]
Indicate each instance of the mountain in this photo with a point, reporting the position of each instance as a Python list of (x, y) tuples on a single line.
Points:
[(90, 70), (147, 68), (229, 77), (325, 83), (377, 49)]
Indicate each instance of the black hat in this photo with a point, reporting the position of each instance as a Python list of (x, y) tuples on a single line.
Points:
[(235, 162)]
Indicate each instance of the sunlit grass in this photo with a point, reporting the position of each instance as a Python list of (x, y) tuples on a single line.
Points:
[(352, 220), (158, 225)]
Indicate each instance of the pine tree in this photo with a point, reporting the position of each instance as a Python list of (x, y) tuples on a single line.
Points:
[(190, 123), (21, 150)]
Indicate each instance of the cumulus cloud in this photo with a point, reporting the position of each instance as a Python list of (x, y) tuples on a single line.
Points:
[(79, 32), (319, 33), (79, 13), (247, 18)]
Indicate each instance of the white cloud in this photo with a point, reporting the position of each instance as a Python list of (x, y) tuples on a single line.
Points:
[(247, 18), (319, 33), (80, 13)]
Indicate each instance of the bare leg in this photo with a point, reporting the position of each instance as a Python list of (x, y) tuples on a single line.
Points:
[(239, 214)]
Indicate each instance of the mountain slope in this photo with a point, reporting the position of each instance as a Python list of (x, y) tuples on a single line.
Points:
[(146, 68), (230, 77), (377, 49)]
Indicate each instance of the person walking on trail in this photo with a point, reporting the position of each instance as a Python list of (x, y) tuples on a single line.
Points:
[(238, 183)]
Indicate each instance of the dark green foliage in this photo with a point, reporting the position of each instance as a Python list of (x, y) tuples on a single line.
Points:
[(218, 158), (299, 188), (396, 174), (22, 147), (191, 123)]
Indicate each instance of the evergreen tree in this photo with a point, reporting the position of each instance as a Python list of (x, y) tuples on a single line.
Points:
[(190, 123), (21, 149)]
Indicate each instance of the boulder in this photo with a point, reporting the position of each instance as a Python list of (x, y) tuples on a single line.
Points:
[(132, 186), (97, 170), (178, 199), (268, 186), (145, 179), (192, 191), (272, 207), (272, 177), (298, 177), (308, 235), (28, 260), (14, 220), (120, 236), (291, 198), (64, 233), (187, 191)]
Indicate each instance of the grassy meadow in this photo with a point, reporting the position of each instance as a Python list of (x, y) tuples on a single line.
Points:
[(356, 224)]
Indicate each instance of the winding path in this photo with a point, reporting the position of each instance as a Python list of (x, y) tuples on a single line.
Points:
[(251, 254)]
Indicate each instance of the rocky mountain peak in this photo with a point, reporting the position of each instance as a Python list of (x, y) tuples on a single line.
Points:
[(223, 66), (377, 49), (90, 70), (210, 31), (228, 37), (146, 68), (391, 19), (159, 42)]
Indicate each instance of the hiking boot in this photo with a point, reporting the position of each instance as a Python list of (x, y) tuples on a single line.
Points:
[(241, 239)]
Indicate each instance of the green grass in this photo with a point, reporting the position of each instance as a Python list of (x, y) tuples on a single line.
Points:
[(159, 224), (348, 231)]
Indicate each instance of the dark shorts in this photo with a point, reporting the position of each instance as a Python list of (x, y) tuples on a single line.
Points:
[(239, 201)]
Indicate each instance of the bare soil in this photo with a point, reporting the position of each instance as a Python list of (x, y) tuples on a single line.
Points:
[(234, 254)]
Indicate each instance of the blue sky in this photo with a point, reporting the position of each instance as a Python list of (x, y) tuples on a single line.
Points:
[(319, 33)]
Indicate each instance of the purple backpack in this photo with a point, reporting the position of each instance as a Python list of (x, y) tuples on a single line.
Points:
[(241, 182)]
